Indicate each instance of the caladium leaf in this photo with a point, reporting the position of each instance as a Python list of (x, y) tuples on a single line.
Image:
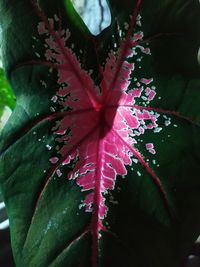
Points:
[(99, 160)]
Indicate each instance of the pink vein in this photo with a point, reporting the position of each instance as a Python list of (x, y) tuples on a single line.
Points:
[(93, 98), (125, 49), (43, 118), (54, 116), (72, 242), (114, 235), (39, 62), (165, 111), (95, 225), (100, 69), (61, 114), (154, 177), (157, 36), (158, 110)]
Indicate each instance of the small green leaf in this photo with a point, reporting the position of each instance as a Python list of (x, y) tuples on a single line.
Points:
[(75, 17)]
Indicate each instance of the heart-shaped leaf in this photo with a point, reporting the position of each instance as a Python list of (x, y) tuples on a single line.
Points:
[(99, 160)]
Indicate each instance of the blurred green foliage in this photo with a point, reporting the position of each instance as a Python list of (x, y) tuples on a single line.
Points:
[(7, 97)]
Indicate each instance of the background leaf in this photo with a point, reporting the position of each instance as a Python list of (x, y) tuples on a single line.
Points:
[(6, 95)]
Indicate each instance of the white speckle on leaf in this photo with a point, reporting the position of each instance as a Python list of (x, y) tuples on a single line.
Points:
[(48, 147), (167, 123), (80, 206), (43, 83), (126, 25), (59, 173), (37, 54), (52, 109), (138, 20), (56, 17), (64, 211), (49, 225), (157, 130), (144, 98)]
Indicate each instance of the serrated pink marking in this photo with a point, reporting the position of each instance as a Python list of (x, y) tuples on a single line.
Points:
[(151, 95), (150, 148), (41, 28), (54, 160), (123, 119), (100, 141), (146, 81), (138, 36)]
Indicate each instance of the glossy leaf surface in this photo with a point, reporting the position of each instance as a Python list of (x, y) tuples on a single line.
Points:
[(99, 161)]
